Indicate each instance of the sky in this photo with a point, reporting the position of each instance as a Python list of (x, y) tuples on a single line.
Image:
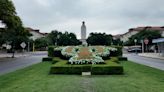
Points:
[(109, 16)]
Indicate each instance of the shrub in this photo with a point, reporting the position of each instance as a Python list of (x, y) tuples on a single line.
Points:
[(46, 59), (96, 70), (51, 51), (61, 67), (122, 58), (118, 52), (114, 59), (64, 68), (54, 61)]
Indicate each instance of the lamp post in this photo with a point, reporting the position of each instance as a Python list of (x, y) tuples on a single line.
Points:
[(135, 41)]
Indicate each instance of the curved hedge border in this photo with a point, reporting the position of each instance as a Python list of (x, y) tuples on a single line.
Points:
[(110, 67)]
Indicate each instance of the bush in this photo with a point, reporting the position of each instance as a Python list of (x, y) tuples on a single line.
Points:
[(118, 52), (51, 51), (61, 67), (69, 69), (96, 70), (47, 59), (54, 61), (122, 58)]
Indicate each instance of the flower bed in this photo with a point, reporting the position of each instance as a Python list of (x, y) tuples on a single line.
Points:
[(85, 56)]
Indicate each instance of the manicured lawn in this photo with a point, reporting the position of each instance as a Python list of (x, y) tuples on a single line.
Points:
[(36, 78)]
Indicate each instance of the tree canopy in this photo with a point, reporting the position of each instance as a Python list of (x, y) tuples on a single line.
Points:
[(63, 39), (145, 34), (14, 32), (99, 39)]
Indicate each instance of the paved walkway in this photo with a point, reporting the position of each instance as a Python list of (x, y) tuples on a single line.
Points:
[(152, 55), (11, 64), (155, 63)]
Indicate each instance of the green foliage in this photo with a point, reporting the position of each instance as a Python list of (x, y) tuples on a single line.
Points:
[(136, 78), (118, 52), (46, 59), (113, 59), (105, 70), (122, 58), (62, 67), (117, 42), (51, 51), (63, 39), (14, 31), (41, 43), (142, 35), (99, 39)]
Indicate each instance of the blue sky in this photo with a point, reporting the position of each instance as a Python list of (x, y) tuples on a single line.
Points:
[(109, 16)]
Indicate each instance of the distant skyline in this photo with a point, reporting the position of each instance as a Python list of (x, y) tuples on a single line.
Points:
[(109, 16)]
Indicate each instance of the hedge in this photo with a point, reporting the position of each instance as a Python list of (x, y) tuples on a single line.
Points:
[(122, 58), (46, 59), (97, 70), (116, 53), (61, 67), (70, 69), (51, 51)]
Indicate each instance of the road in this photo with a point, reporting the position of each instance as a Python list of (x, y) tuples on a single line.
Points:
[(155, 63), (11, 64)]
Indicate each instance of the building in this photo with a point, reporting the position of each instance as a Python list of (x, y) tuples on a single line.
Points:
[(115, 37), (160, 44), (132, 31), (36, 34)]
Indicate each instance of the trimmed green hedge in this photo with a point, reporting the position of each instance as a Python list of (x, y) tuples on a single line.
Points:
[(122, 58), (96, 70), (46, 59), (111, 67), (70, 69)]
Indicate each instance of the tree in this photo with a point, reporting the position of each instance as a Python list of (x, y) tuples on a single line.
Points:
[(41, 43), (117, 42), (54, 37), (63, 39), (99, 39), (142, 35), (14, 32)]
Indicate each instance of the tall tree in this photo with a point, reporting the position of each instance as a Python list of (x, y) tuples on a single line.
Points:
[(14, 30), (99, 39), (149, 34), (63, 39)]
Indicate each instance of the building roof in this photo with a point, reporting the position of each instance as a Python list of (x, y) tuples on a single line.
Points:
[(36, 30), (151, 28)]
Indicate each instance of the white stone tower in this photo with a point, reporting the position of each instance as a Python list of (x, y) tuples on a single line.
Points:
[(83, 33)]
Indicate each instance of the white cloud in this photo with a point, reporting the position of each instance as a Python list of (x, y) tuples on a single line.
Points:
[(110, 16)]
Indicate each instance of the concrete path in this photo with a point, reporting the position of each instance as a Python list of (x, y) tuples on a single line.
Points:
[(152, 55), (155, 63), (11, 64)]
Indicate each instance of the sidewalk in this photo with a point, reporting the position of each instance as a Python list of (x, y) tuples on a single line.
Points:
[(8, 55), (16, 55), (151, 55)]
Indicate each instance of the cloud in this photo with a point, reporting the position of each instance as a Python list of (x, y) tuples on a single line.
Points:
[(110, 16)]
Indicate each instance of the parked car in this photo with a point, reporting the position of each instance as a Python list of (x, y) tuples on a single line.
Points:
[(134, 50)]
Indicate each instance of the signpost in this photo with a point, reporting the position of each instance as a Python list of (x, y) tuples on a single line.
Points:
[(146, 41), (135, 40), (142, 46), (23, 45)]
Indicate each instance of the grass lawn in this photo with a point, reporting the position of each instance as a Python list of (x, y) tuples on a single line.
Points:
[(36, 78)]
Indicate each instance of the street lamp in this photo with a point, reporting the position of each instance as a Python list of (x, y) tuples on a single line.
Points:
[(135, 40)]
